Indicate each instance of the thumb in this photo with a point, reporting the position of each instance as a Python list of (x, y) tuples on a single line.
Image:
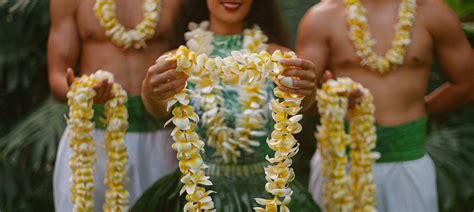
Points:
[(69, 76), (327, 75)]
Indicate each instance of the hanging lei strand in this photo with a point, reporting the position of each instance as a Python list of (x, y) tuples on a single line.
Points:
[(342, 192), (83, 157), (116, 197), (186, 141), (234, 70), (279, 173), (222, 138), (252, 97), (136, 38), (219, 135), (363, 42)]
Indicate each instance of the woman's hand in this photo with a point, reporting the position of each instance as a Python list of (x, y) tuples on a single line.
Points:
[(102, 89), (162, 81), (300, 77)]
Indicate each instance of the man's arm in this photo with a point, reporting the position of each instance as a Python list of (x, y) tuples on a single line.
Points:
[(312, 44), (63, 45), (454, 53)]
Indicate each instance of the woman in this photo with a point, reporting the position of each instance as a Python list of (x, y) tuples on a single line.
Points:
[(237, 175)]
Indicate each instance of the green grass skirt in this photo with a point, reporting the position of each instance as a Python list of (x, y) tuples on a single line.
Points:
[(233, 194)]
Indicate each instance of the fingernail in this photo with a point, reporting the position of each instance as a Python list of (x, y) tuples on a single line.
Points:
[(287, 81)]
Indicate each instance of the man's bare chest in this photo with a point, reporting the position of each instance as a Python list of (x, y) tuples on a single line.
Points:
[(343, 53), (129, 14)]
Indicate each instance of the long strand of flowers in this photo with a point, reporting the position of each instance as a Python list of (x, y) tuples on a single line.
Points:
[(136, 38), (238, 69), (116, 197), (252, 97), (83, 157), (356, 191), (223, 139), (219, 135), (363, 42), (279, 173), (188, 147)]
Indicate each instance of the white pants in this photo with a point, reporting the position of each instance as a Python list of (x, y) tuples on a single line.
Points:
[(150, 158), (401, 186)]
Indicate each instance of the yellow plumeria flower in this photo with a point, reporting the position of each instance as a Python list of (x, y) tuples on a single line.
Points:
[(341, 191), (363, 42), (83, 158), (136, 38)]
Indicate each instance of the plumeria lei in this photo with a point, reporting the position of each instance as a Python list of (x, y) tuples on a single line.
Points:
[(363, 42), (136, 38), (227, 141), (238, 69), (356, 191), (83, 158)]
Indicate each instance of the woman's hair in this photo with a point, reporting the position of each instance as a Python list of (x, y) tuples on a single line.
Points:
[(264, 13)]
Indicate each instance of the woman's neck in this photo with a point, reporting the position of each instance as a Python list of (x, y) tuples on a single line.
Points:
[(222, 28)]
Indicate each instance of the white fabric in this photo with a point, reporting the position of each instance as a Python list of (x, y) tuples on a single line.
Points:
[(150, 158), (401, 186)]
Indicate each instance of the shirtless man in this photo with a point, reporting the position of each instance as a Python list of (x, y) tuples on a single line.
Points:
[(405, 174), (77, 39)]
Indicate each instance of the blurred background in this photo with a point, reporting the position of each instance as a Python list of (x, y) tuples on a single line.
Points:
[(31, 122)]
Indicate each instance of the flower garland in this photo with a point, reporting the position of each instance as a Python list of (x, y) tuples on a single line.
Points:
[(364, 43), (355, 192), (234, 70), (222, 138), (136, 38), (83, 157)]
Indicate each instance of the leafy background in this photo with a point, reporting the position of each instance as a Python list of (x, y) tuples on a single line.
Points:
[(31, 122)]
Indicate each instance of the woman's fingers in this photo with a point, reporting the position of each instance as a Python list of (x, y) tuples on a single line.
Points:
[(304, 84), (162, 66), (158, 79), (171, 85), (300, 73), (299, 92), (170, 93), (298, 62)]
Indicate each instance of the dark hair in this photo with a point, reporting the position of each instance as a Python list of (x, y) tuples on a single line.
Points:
[(264, 13)]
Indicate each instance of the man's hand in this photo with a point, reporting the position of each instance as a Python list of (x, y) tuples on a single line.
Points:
[(354, 96), (102, 89), (300, 77)]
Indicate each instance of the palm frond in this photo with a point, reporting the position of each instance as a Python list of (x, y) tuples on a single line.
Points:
[(24, 28), (41, 130), (451, 149), (27, 156)]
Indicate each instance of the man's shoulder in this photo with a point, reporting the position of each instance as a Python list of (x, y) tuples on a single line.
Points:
[(436, 15), (326, 7), (433, 8), (324, 12)]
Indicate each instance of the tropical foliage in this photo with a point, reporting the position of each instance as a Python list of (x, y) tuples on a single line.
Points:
[(28, 140), (462, 7)]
